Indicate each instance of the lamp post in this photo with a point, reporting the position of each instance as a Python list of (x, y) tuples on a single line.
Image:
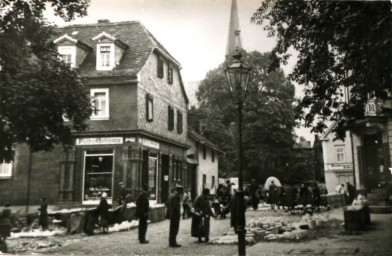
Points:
[(237, 75)]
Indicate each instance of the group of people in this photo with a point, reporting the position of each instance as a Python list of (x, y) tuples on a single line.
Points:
[(200, 211), (289, 196)]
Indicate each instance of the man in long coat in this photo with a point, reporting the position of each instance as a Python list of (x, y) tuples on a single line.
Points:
[(142, 207), (174, 214), (273, 194), (43, 216), (201, 221)]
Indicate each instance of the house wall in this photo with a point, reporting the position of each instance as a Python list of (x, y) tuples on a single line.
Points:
[(334, 169), (122, 108), (163, 94), (209, 168), (44, 177)]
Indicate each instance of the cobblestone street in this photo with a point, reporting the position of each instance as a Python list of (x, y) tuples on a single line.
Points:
[(375, 241), (157, 234)]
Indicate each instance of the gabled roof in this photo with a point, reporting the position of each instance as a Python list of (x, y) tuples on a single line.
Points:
[(133, 34), (199, 138), (72, 40)]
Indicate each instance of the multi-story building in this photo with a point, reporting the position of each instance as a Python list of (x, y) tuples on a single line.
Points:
[(202, 163), (338, 164), (372, 148), (364, 157), (137, 132)]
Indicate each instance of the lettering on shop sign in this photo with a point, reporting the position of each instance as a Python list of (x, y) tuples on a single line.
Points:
[(346, 166), (99, 141), (150, 143)]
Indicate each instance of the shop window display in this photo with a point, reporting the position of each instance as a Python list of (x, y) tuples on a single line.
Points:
[(98, 175)]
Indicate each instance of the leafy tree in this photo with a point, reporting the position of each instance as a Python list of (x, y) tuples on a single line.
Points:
[(268, 119), (340, 44), (36, 89)]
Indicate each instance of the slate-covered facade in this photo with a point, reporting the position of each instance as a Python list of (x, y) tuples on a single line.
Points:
[(137, 133)]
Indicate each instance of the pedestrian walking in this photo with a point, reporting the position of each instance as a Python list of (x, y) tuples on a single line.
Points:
[(174, 214), (186, 204), (254, 194), (201, 218), (281, 194), (142, 207), (43, 215), (272, 194), (316, 196), (350, 192), (103, 211), (290, 198)]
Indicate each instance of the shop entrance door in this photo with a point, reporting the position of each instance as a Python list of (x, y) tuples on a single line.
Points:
[(165, 178), (373, 156)]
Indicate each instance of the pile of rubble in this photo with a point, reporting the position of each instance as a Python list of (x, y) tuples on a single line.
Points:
[(275, 228)]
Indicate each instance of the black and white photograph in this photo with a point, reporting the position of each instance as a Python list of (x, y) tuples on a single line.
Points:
[(196, 127)]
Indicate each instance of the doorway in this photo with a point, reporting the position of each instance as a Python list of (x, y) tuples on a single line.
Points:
[(165, 178), (373, 156)]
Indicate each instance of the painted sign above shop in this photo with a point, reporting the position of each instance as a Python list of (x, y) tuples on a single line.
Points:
[(99, 141), (150, 143), (341, 165)]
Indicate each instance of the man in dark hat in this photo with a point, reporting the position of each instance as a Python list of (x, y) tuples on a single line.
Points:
[(174, 214), (142, 207), (201, 221)]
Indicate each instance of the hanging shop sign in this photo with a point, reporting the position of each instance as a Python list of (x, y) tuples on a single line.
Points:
[(99, 141), (150, 143)]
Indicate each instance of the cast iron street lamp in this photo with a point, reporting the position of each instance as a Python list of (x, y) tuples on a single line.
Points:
[(237, 75)]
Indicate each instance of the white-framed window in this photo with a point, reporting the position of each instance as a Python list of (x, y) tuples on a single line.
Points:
[(100, 98), (340, 157), (67, 55), (5, 169), (105, 56)]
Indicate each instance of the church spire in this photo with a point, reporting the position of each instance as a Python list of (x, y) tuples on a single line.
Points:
[(234, 38)]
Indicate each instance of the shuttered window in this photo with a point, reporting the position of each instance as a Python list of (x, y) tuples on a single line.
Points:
[(160, 66), (170, 118), (179, 122)]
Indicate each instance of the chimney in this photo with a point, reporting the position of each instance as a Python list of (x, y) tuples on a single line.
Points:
[(103, 21)]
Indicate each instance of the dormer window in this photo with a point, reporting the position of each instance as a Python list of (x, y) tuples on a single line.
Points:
[(109, 51), (71, 51), (67, 55), (105, 57)]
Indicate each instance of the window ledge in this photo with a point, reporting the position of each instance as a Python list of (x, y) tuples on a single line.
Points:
[(5, 177), (105, 69), (100, 118)]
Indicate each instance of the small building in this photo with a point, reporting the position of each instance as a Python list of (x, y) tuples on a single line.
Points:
[(337, 156), (202, 158), (137, 132)]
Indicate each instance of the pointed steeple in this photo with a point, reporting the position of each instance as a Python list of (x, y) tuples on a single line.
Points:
[(234, 38)]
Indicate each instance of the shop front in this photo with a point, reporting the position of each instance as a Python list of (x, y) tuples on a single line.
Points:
[(101, 163)]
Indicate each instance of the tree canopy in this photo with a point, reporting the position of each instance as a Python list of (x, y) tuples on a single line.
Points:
[(36, 88), (268, 118), (340, 44)]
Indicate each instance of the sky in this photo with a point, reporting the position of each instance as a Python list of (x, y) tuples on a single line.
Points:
[(194, 31)]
